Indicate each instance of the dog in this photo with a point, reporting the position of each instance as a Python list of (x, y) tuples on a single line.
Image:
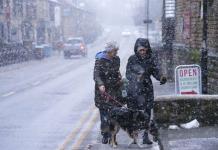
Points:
[(131, 121), (132, 118)]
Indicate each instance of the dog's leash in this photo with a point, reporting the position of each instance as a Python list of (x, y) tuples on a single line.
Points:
[(108, 96)]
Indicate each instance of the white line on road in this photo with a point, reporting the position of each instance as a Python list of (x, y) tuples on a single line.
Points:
[(76, 129), (8, 94)]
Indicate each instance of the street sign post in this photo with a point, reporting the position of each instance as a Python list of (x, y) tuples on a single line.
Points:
[(188, 79), (147, 21)]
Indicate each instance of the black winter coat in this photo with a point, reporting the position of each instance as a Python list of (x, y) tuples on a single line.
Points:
[(142, 89), (106, 72)]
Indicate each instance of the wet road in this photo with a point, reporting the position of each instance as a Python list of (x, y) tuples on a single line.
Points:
[(48, 104)]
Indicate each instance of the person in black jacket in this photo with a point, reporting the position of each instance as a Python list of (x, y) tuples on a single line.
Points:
[(107, 79), (140, 67)]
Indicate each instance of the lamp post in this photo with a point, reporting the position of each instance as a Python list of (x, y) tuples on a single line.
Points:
[(147, 18)]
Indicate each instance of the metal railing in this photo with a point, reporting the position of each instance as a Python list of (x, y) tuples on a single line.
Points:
[(13, 53)]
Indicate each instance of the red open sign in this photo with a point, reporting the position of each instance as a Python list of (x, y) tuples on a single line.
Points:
[(188, 79)]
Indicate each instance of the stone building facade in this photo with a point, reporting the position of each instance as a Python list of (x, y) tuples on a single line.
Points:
[(78, 22), (189, 33), (27, 20)]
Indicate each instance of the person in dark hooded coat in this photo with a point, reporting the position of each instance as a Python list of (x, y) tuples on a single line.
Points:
[(107, 79), (140, 67)]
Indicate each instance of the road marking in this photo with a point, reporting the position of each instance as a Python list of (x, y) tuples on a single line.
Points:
[(76, 129), (86, 131), (8, 94)]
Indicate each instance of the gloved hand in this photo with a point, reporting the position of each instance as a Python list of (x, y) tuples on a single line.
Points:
[(163, 80)]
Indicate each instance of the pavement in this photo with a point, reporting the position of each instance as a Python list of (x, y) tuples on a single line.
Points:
[(202, 138)]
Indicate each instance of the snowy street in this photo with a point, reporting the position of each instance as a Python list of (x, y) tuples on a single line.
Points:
[(61, 87), (46, 104)]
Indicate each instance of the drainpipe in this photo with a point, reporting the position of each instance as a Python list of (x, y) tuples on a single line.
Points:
[(204, 51)]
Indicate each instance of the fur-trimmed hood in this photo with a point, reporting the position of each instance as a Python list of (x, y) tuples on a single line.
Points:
[(145, 43)]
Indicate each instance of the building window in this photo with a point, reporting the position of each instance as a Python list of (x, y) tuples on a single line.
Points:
[(31, 9), (27, 30), (170, 6), (1, 4), (210, 3), (52, 12), (18, 8), (201, 9), (1, 31)]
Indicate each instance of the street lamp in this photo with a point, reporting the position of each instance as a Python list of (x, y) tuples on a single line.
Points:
[(147, 18)]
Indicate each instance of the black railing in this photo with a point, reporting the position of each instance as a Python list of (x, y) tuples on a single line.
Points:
[(13, 53)]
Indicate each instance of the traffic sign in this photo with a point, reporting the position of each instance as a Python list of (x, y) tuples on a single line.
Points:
[(188, 79)]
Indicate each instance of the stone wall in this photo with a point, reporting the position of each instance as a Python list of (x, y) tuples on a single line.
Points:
[(213, 74), (213, 48), (213, 27), (176, 110)]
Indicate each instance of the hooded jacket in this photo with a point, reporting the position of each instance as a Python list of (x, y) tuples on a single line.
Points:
[(107, 73), (142, 87)]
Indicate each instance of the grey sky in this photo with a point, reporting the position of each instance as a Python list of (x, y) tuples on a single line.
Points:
[(121, 11)]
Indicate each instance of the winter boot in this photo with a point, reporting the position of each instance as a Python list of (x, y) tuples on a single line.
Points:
[(105, 138), (146, 139)]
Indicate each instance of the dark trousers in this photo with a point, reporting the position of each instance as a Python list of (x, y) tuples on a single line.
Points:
[(105, 122), (148, 111)]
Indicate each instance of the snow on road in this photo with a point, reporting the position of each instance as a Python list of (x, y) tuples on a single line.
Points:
[(42, 103)]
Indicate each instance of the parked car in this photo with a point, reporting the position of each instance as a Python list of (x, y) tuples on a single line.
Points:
[(75, 46)]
